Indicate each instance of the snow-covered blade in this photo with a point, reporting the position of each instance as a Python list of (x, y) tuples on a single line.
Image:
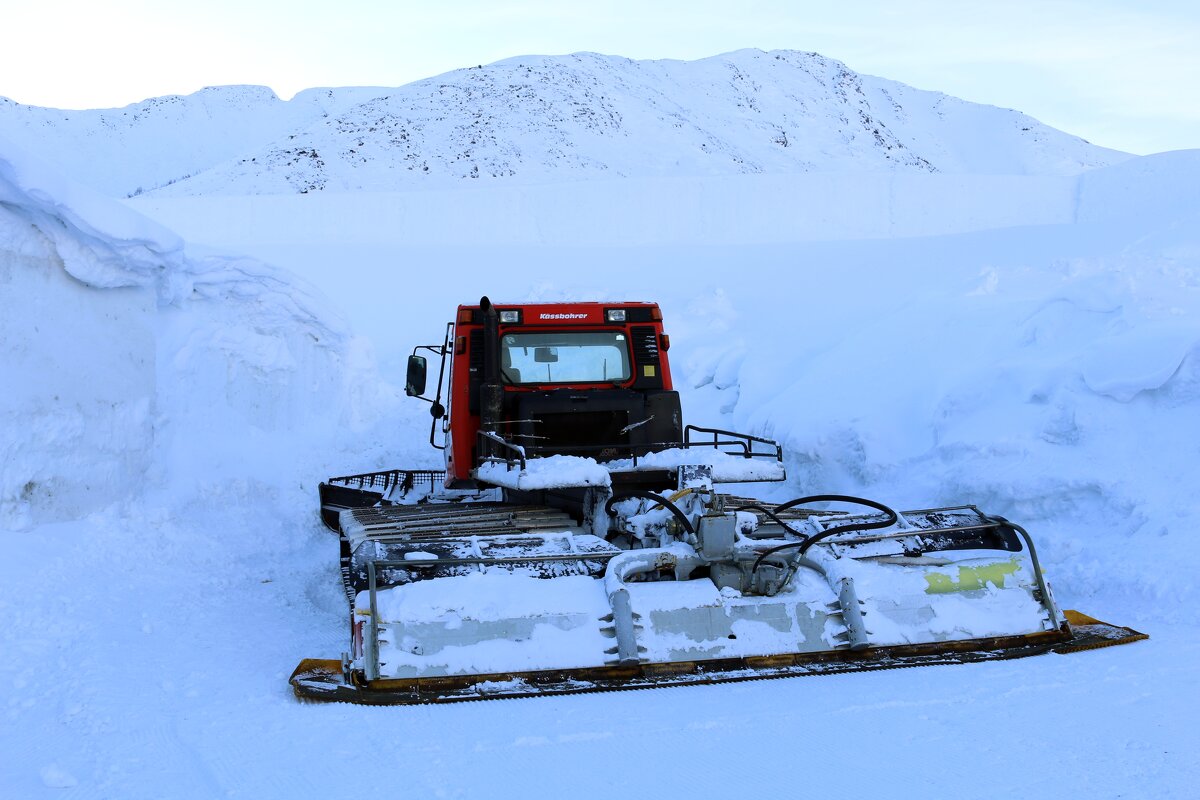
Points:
[(489, 599), (324, 679)]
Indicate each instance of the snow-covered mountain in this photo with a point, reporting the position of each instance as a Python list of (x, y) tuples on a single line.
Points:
[(543, 119), (121, 151)]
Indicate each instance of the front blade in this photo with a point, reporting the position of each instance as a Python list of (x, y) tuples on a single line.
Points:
[(316, 679)]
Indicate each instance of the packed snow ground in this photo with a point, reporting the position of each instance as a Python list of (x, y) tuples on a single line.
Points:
[(163, 568)]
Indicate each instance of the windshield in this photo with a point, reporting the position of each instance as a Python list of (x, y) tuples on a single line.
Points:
[(594, 357)]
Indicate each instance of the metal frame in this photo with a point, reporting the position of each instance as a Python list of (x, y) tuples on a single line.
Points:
[(1042, 595), (489, 444), (1045, 598), (492, 447), (745, 440), (1060, 633), (441, 350)]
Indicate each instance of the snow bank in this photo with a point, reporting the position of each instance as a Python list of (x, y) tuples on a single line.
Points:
[(1053, 378), (127, 360)]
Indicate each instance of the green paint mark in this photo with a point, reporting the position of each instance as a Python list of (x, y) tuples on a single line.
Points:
[(970, 578)]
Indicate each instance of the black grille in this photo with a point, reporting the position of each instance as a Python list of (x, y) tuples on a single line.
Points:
[(645, 346), (647, 368), (581, 433)]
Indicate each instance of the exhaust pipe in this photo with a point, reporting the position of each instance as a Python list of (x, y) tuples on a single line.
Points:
[(491, 393)]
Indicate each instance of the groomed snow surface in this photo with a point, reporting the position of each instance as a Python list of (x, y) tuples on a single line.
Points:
[(167, 410)]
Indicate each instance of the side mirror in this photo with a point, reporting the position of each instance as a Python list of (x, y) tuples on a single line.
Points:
[(414, 384), (545, 355)]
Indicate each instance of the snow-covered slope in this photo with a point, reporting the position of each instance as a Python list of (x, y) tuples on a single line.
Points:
[(547, 118), (124, 151)]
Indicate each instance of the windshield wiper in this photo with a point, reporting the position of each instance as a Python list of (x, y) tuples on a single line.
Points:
[(631, 426)]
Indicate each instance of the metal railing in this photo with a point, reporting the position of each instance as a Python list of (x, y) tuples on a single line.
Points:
[(387, 480), (743, 440), (490, 446), (494, 448)]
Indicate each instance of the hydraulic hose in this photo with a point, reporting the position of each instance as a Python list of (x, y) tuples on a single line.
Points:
[(805, 543), (662, 501), (682, 493), (775, 519)]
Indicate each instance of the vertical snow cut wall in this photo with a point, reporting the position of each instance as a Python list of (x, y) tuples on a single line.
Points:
[(124, 361)]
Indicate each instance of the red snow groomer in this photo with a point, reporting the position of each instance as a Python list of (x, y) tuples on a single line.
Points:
[(577, 540)]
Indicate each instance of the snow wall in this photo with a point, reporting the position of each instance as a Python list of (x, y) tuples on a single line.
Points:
[(1026, 344), (1049, 372), (1054, 380), (715, 209), (128, 364)]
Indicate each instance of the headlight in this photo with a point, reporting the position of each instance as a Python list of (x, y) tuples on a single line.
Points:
[(510, 316), (615, 315)]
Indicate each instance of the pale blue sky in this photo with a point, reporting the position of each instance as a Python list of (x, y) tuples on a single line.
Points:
[(1120, 74)]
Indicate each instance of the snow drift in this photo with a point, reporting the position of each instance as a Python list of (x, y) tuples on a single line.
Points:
[(128, 362)]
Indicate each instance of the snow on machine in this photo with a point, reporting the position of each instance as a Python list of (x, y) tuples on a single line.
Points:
[(578, 540)]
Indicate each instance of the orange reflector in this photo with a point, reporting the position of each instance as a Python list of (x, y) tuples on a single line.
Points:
[(666, 342), (460, 345), (656, 314), (465, 315)]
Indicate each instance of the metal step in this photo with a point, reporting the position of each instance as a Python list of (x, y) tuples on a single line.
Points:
[(397, 523), (454, 538)]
